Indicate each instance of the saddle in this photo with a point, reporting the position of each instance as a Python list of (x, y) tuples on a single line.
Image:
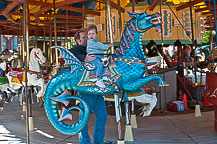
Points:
[(90, 66), (110, 75), (17, 70), (17, 75)]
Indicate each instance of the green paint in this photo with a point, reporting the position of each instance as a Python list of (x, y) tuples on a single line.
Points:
[(3, 80), (166, 42)]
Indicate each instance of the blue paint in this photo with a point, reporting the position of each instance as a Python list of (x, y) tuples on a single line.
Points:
[(130, 76), (165, 23), (215, 20), (170, 22)]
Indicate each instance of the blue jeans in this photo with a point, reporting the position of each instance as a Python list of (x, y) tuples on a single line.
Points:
[(98, 108), (98, 66)]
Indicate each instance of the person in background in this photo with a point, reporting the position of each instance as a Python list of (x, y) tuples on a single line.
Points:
[(187, 53)]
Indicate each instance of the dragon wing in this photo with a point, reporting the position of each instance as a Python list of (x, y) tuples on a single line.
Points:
[(70, 59)]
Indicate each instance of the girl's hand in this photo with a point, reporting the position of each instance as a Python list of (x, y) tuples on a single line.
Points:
[(110, 45), (89, 58)]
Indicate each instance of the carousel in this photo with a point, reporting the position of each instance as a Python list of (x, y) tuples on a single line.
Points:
[(163, 57)]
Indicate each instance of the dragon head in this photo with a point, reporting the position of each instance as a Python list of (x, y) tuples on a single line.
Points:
[(145, 21)]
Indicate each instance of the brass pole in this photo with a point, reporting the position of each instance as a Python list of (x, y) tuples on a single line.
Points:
[(133, 5), (23, 41), (27, 33), (21, 38), (0, 41), (110, 25), (83, 8), (26, 36), (36, 38), (55, 34), (50, 50), (215, 21), (119, 15), (17, 38), (193, 41), (44, 42), (64, 40), (67, 35)]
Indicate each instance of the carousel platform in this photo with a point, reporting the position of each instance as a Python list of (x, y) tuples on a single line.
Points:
[(180, 128)]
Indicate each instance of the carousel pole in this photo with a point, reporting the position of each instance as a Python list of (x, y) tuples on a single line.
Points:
[(21, 38), (128, 136), (120, 139), (133, 5), (67, 26), (106, 25), (55, 35), (215, 21), (110, 25), (17, 38), (25, 23), (133, 116), (50, 50), (164, 77), (64, 39), (197, 106), (0, 41), (23, 49), (128, 128), (44, 43), (119, 15), (83, 16), (36, 38), (118, 117), (211, 38)]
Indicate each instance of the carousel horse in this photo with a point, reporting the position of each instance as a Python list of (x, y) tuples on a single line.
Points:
[(203, 57), (11, 57), (125, 73), (16, 76), (149, 100), (7, 94)]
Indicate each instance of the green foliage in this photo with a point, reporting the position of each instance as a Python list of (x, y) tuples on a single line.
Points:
[(206, 37), (69, 43)]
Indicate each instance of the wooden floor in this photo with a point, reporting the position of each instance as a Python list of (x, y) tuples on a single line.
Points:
[(172, 129)]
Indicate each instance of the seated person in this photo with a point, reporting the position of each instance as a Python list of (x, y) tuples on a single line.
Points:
[(96, 47), (187, 54)]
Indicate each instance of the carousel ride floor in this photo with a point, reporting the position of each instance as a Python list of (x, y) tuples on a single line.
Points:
[(156, 129)]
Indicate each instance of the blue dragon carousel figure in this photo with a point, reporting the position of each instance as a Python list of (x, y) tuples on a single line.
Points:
[(126, 72)]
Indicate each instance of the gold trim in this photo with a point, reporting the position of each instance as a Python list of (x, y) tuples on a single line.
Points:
[(82, 78)]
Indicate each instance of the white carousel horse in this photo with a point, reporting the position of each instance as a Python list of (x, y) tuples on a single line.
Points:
[(15, 76), (141, 96), (15, 60), (7, 93), (4, 86)]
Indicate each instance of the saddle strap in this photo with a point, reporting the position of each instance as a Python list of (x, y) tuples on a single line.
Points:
[(39, 75), (129, 61)]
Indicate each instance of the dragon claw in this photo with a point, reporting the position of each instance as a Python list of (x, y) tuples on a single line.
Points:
[(65, 115), (63, 98)]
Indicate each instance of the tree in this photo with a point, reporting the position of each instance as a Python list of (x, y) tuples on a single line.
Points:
[(206, 37)]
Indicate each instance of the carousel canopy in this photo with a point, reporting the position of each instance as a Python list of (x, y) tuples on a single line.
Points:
[(68, 13)]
